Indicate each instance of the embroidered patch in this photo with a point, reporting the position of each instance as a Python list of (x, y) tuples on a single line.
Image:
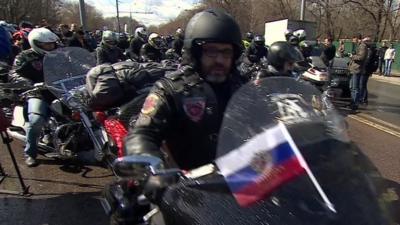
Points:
[(194, 108), (143, 120), (151, 104), (37, 65)]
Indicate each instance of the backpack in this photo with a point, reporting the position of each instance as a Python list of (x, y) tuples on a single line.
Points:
[(113, 85), (144, 76), (103, 87), (372, 62)]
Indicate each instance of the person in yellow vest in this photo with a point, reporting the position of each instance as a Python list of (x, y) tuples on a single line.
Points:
[(248, 39)]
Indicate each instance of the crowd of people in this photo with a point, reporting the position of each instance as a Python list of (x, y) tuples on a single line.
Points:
[(208, 55), (26, 46), (184, 110)]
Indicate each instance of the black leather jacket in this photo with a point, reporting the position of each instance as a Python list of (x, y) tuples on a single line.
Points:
[(185, 112), (254, 53), (28, 69), (108, 54), (149, 53), (134, 48)]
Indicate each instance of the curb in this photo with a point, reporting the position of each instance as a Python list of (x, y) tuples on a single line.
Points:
[(390, 80)]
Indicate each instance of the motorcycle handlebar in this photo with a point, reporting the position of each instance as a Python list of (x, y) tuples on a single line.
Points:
[(39, 87)]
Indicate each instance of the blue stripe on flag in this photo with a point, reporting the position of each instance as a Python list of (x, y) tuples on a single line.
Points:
[(241, 178), (247, 175), (282, 152)]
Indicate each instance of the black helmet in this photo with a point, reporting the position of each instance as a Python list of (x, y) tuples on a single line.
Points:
[(212, 25), (288, 33), (281, 52), (25, 24), (259, 40), (293, 40), (249, 36)]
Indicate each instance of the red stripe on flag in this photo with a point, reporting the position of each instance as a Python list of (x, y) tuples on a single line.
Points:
[(269, 181)]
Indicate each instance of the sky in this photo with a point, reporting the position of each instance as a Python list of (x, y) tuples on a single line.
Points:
[(163, 10)]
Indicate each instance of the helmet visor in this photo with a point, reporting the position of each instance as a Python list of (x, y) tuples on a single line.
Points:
[(47, 46)]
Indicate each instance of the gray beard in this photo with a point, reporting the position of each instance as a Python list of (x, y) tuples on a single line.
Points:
[(215, 79)]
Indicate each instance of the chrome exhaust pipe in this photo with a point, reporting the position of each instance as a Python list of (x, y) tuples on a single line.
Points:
[(16, 135)]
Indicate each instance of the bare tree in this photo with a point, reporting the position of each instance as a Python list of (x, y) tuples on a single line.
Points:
[(375, 9), (17, 10)]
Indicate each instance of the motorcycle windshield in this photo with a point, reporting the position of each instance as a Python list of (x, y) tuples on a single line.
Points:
[(317, 130), (65, 69)]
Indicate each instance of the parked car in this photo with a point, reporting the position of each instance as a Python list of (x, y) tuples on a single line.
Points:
[(340, 77)]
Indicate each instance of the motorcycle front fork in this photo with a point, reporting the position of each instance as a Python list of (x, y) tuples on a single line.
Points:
[(97, 135)]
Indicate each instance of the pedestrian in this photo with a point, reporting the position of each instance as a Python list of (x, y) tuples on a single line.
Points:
[(371, 65), (78, 40), (5, 52), (341, 49), (381, 54), (65, 33), (357, 69), (355, 43), (328, 52), (390, 55)]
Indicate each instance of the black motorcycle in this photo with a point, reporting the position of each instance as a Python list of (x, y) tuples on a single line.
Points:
[(71, 128), (152, 193)]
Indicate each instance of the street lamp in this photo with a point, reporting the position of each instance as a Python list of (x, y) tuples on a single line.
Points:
[(302, 9), (82, 14)]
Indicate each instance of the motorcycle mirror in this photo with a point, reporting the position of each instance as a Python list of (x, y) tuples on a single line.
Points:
[(136, 165)]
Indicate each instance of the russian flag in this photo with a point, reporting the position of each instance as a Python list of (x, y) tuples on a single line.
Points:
[(261, 165)]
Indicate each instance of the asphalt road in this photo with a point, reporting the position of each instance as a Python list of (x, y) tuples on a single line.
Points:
[(63, 193), (384, 102), (68, 193), (375, 127)]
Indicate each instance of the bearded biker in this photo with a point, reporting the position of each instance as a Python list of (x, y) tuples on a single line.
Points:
[(185, 109), (28, 69)]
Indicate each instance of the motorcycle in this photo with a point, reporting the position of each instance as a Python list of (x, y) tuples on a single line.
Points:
[(314, 71), (117, 118), (251, 70), (152, 193), (71, 130)]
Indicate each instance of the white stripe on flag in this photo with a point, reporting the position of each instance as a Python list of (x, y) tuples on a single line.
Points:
[(241, 157)]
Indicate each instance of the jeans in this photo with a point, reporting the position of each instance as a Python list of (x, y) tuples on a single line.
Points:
[(355, 84), (363, 88), (388, 67), (38, 111), (381, 66)]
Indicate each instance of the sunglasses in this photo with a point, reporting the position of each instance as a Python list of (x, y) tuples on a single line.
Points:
[(213, 52)]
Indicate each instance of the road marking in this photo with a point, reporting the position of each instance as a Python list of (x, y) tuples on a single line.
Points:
[(395, 127), (376, 125), (385, 80)]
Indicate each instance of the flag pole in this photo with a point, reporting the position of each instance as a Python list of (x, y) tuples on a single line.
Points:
[(303, 163)]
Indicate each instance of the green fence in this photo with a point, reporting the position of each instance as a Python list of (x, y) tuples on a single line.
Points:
[(348, 46)]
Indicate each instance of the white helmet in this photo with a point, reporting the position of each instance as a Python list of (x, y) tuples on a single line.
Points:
[(141, 33), (301, 34), (179, 31), (155, 40), (41, 35), (109, 38)]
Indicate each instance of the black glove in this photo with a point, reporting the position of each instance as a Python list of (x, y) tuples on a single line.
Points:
[(156, 185)]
